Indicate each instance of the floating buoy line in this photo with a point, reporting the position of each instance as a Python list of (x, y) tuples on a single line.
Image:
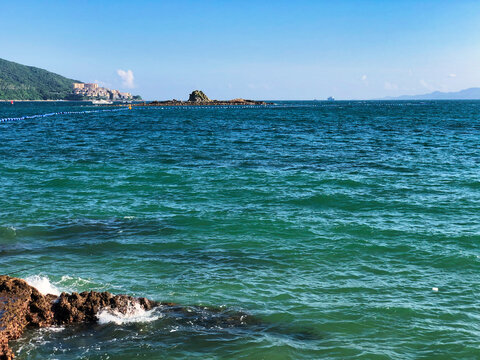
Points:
[(128, 108), (60, 113)]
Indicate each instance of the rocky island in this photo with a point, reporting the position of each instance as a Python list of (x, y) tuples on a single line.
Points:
[(198, 98)]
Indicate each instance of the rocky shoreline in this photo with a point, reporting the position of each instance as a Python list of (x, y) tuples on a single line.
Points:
[(22, 306)]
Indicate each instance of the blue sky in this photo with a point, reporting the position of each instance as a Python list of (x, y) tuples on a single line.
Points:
[(251, 49)]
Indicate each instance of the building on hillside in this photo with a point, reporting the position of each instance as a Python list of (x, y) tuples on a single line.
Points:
[(91, 86), (93, 91)]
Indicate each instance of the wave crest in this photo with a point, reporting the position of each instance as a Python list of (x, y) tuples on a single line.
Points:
[(134, 314), (42, 284)]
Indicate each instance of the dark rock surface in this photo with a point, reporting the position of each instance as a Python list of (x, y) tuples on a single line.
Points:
[(198, 96), (22, 306), (83, 307), (204, 103)]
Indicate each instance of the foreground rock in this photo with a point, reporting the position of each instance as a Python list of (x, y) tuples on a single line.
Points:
[(83, 307), (22, 306)]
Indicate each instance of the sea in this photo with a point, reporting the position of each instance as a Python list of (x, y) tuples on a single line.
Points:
[(343, 230)]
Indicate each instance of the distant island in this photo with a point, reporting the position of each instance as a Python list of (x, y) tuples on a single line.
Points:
[(22, 82), (198, 98), (466, 94)]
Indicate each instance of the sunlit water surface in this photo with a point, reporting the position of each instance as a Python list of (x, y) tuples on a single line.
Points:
[(328, 223)]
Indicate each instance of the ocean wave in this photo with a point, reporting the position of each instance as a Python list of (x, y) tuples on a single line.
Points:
[(82, 228), (8, 232), (42, 284), (71, 283), (66, 283), (134, 314)]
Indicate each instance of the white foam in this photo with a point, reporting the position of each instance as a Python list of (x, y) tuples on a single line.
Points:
[(134, 314), (55, 328), (70, 284), (42, 284)]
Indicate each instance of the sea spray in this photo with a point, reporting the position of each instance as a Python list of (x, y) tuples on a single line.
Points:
[(42, 284), (134, 314)]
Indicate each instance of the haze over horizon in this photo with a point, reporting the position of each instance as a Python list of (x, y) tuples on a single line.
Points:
[(274, 50)]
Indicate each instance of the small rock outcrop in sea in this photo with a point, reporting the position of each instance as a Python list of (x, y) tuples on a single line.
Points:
[(198, 96)]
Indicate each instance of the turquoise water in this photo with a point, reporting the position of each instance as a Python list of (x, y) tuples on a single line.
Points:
[(328, 223)]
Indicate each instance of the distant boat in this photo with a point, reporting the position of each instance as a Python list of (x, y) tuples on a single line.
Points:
[(102, 102), (331, 98)]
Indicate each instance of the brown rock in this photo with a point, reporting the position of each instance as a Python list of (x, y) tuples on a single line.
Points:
[(83, 307), (198, 98), (22, 305), (5, 352)]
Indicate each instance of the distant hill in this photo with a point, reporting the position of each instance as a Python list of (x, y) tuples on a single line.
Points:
[(21, 82), (467, 94)]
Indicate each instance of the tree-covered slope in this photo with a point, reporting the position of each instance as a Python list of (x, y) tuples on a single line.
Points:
[(21, 82)]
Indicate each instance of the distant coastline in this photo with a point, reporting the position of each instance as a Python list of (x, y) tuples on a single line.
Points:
[(55, 100), (466, 94), (28, 83)]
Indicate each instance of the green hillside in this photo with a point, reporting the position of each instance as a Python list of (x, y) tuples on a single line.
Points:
[(21, 82)]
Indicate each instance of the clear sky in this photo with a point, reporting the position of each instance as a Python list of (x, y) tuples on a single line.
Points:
[(252, 49)]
